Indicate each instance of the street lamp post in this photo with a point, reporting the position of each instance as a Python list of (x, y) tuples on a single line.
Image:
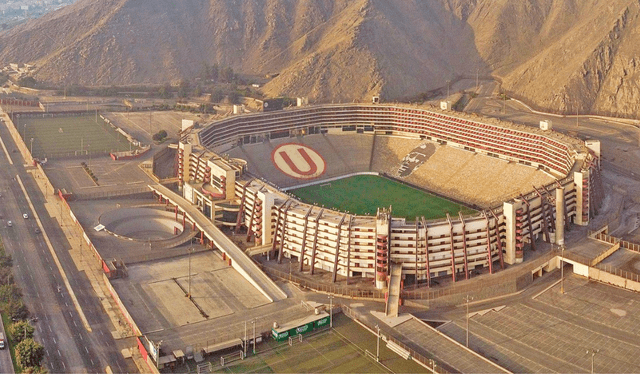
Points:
[(467, 298), (331, 311), (31, 148), (189, 276), (433, 366), (562, 270), (245, 338), (254, 336), (378, 345), (24, 132), (593, 355)]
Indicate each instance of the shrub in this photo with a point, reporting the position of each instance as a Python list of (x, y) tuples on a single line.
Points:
[(21, 330), (29, 353)]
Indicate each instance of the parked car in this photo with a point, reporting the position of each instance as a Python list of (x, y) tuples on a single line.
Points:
[(37, 230), (25, 216), (9, 223)]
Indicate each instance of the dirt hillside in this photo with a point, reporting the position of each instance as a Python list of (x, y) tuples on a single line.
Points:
[(564, 55)]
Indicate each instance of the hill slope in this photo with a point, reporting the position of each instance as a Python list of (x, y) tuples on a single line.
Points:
[(558, 54)]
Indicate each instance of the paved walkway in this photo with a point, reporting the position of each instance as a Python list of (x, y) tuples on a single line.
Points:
[(445, 349), (239, 260)]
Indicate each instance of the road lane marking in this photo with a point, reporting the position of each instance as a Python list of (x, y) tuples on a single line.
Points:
[(6, 152), (55, 257), (86, 350), (54, 340)]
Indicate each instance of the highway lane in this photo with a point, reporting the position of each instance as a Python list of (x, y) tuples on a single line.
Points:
[(5, 355), (69, 346)]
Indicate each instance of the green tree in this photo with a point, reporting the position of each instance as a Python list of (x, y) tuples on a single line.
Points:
[(227, 75), (27, 82), (162, 133), (29, 353), (21, 330), (9, 292), (216, 96), (17, 309), (184, 88), (165, 91), (234, 97), (214, 72), (197, 91), (6, 276), (205, 71)]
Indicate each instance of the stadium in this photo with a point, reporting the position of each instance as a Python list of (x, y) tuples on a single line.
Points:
[(518, 183)]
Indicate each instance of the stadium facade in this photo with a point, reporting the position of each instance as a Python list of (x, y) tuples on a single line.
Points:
[(364, 246)]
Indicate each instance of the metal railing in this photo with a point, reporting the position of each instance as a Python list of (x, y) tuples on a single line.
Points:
[(323, 287), (619, 272)]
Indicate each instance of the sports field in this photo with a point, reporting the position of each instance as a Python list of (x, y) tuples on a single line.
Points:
[(65, 136), (341, 350), (363, 194)]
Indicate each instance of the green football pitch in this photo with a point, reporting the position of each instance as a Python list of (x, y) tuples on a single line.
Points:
[(363, 194), (341, 350), (68, 136)]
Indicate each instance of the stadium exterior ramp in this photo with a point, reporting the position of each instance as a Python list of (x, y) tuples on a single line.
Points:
[(239, 260)]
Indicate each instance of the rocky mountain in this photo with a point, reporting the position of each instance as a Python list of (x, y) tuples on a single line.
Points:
[(564, 55)]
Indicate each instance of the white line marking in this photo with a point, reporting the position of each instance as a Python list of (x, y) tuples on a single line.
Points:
[(81, 337), (74, 323), (6, 152), (50, 328), (65, 366), (55, 257), (54, 340), (86, 350), (92, 363)]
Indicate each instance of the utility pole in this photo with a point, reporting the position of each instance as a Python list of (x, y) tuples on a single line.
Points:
[(245, 338), (467, 298), (477, 72)]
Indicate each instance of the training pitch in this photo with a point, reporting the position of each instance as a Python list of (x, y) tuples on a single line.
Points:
[(68, 136), (341, 350), (363, 194)]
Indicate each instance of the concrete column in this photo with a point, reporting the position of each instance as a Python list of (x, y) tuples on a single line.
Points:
[(509, 211), (560, 216)]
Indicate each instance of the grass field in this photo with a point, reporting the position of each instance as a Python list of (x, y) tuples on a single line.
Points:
[(363, 194), (61, 136), (341, 350)]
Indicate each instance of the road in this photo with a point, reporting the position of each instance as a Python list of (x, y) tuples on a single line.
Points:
[(5, 355), (69, 346)]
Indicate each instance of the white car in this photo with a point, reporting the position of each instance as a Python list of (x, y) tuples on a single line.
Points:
[(9, 223), (25, 216)]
